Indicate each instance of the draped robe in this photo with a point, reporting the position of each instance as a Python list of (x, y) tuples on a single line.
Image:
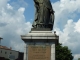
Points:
[(44, 15)]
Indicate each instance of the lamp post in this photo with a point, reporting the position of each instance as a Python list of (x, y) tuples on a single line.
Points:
[(0, 40)]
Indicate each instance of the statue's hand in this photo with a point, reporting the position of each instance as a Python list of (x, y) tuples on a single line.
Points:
[(52, 11)]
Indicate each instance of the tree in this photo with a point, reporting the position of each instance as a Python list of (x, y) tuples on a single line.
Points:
[(63, 53), (78, 58)]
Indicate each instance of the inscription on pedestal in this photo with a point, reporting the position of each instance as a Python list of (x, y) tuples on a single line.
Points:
[(39, 52)]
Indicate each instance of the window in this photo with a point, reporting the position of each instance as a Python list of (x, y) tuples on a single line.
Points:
[(10, 52), (1, 51), (5, 52)]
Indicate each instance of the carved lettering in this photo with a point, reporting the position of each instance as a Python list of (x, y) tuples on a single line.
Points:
[(39, 52)]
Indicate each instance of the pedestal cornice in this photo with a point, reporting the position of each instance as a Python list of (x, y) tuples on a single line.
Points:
[(40, 36)]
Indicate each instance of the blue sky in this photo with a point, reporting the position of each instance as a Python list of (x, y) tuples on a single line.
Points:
[(16, 18), (30, 9)]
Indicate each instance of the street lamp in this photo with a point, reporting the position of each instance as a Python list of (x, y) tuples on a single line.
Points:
[(0, 40)]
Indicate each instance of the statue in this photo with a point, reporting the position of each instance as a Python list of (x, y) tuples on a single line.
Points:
[(44, 16)]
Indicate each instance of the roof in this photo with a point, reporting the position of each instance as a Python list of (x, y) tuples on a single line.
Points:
[(4, 47)]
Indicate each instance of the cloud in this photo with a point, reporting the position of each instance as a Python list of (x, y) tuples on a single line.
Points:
[(77, 27), (70, 36), (12, 25), (18, 3), (64, 10), (77, 56), (3, 3), (67, 24)]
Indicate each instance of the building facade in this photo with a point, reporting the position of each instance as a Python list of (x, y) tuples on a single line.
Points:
[(8, 53)]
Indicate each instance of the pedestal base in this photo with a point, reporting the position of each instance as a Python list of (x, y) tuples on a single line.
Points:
[(41, 44)]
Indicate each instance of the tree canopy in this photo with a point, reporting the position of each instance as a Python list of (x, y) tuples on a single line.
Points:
[(78, 58), (63, 53)]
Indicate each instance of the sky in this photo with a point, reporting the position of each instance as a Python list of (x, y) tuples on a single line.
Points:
[(16, 17)]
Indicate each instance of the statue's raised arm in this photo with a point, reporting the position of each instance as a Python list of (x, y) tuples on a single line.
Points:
[(44, 15)]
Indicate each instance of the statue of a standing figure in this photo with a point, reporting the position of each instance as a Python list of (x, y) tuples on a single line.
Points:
[(44, 16)]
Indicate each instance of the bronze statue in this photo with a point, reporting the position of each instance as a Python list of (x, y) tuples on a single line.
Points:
[(44, 16)]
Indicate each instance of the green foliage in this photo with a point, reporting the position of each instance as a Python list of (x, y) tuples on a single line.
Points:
[(7, 59), (63, 53), (78, 58)]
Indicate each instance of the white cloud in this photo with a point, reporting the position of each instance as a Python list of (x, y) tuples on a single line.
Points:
[(77, 27), (21, 9), (3, 3), (12, 25), (9, 6), (67, 24), (70, 37), (77, 56), (64, 10)]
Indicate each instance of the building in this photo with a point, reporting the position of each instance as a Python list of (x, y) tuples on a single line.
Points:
[(8, 53)]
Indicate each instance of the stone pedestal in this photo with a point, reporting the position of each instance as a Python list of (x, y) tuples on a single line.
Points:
[(41, 44)]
